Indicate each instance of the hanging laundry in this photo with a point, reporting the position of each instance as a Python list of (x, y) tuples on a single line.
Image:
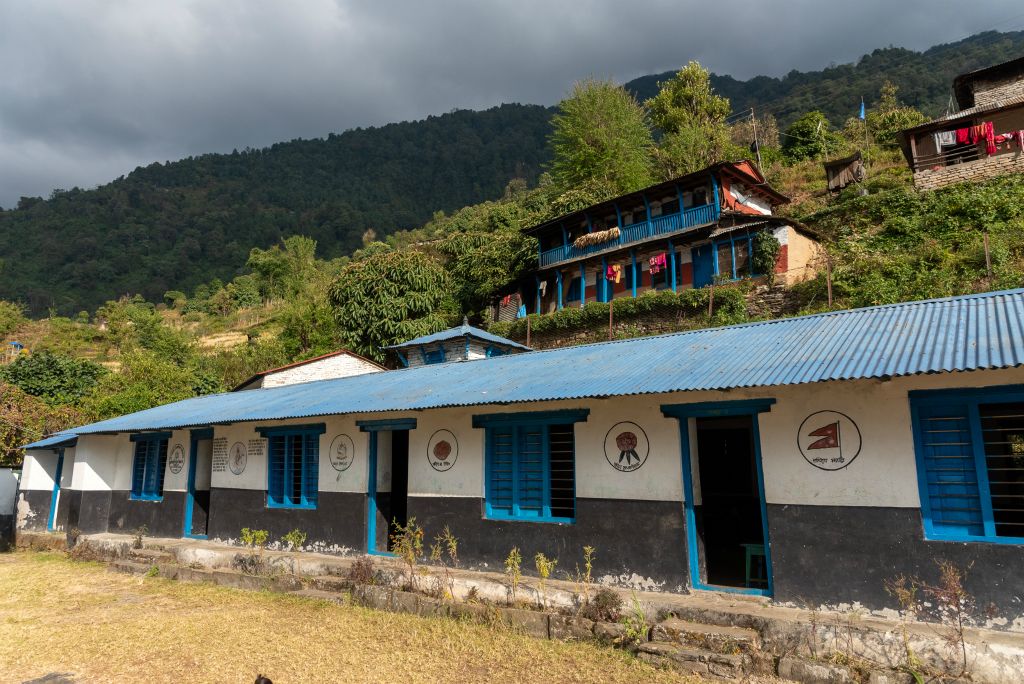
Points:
[(506, 300), (614, 273), (963, 136), (657, 263), (944, 139), (543, 287), (1019, 137), (987, 133)]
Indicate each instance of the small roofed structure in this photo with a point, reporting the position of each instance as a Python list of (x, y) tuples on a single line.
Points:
[(462, 343), (843, 172), (338, 364)]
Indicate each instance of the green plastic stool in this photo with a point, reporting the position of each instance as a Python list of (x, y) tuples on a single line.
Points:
[(761, 579)]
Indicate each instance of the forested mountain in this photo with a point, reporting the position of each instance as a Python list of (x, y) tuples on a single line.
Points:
[(924, 80), (175, 225)]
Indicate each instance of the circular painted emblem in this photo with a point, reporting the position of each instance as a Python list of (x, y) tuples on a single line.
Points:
[(342, 452), (237, 458), (829, 440), (176, 461), (442, 450), (626, 447)]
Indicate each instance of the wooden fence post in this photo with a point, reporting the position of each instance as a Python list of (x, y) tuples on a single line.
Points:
[(527, 331), (711, 300), (611, 318), (988, 257)]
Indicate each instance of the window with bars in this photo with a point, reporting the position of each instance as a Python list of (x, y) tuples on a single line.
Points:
[(148, 466), (293, 466), (531, 465), (970, 453)]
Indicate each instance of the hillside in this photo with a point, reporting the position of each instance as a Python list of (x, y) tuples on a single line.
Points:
[(178, 224), (924, 79)]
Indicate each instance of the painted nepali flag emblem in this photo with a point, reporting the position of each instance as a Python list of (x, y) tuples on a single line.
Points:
[(829, 437)]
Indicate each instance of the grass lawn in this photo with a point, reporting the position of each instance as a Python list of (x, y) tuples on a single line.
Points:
[(61, 616)]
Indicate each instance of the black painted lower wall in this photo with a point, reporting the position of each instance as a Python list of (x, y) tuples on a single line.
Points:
[(38, 514), (642, 538), (165, 518), (339, 519), (6, 532), (843, 554)]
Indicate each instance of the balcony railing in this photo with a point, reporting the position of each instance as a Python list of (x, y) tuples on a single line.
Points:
[(636, 232)]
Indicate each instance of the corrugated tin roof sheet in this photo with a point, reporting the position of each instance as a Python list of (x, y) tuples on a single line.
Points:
[(60, 439), (956, 334), (461, 331)]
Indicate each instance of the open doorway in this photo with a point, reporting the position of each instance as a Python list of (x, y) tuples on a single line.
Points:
[(728, 507), (388, 490), (197, 495)]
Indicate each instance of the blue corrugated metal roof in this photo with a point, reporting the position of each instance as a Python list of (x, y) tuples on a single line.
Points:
[(955, 334), (60, 439), (460, 331)]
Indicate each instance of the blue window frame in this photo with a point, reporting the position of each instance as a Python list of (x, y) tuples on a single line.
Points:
[(573, 294), (293, 465), (148, 466), (530, 465), (435, 356), (733, 257), (495, 351), (969, 446)]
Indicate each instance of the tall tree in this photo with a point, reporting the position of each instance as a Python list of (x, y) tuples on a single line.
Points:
[(600, 141), (890, 117), (811, 137), (390, 296), (691, 118)]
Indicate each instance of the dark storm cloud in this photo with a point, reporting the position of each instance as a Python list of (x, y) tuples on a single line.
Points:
[(91, 89)]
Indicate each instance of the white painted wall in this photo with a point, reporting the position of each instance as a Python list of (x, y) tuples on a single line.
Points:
[(204, 454), (340, 366), (8, 489), (38, 470)]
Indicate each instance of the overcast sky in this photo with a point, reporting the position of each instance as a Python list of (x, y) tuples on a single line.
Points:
[(90, 89)]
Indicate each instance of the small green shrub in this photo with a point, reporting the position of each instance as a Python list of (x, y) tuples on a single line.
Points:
[(295, 539), (362, 571), (545, 567), (514, 571), (140, 532), (636, 623), (606, 606), (407, 544)]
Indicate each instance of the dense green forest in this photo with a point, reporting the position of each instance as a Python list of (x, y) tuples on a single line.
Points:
[(179, 224), (924, 79)]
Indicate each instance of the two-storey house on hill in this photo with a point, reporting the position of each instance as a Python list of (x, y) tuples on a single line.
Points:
[(691, 231), (982, 140)]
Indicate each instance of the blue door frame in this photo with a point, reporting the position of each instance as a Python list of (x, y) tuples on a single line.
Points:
[(56, 490), (374, 427), (703, 265), (190, 494), (683, 412)]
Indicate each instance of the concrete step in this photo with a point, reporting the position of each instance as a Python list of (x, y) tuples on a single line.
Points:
[(130, 567), (152, 556), (321, 595), (713, 638), (696, 660)]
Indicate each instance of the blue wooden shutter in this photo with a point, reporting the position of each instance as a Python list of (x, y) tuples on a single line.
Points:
[(311, 469), (532, 472), (950, 477), (152, 457), (275, 472), (161, 466), (139, 469), (501, 469)]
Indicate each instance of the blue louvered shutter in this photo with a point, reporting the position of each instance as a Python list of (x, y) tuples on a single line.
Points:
[(160, 459), (275, 473), (139, 469), (950, 474), (150, 483), (531, 470), (501, 466), (310, 469)]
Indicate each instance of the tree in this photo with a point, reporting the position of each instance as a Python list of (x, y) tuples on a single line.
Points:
[(11, 317), (146, 380), (889, 118), (810, 137), (691, 118), (24, 419), (600, 138), (54, 378), (388, 297)]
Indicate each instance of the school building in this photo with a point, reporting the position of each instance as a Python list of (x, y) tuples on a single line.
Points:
[(805, 459)]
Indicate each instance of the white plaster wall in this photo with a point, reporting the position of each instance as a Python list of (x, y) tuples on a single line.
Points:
[(204, 454), (8, 489), (340, 366), (68, 468), (177, 482), (96, 463), (38, 470)]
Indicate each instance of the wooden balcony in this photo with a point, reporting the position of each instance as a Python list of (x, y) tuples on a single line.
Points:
[(636, 233)]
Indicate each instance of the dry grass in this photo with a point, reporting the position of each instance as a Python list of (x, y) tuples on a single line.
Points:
[(57, 615)]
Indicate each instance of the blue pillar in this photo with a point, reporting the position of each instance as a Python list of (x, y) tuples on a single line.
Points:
[(672, 263), (632, 256), (583, 286), (618, 214), (732, 249), (537, 279), (558, 283), (647, 207), (717, 206), (590, 224), (603, 275)]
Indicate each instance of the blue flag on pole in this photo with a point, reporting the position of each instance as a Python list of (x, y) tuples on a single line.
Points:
[(862, 109)]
